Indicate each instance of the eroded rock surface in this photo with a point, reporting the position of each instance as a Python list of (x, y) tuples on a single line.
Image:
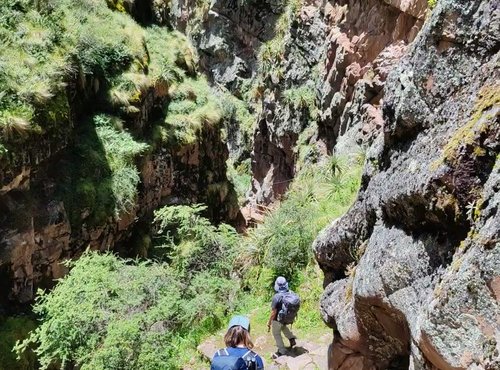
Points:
[(319, 77), (423, 234), (340, 53), (37, 230)]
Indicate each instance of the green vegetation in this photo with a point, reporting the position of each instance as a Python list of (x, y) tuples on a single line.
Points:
[(318, 194), (240, 176), (112, 313), (272, 53), (272, 63), (431, 3), (117, 63), (239, 111), (160, 69), (303, 97), (43, 44), (192, 107), (103, 175), (190, 243), (13, 329)]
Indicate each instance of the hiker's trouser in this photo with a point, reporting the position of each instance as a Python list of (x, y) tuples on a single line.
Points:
[(277, 328)]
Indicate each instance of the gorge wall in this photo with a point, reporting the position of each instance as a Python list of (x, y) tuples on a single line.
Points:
[(313, 70), (57, 187), (412, 270)]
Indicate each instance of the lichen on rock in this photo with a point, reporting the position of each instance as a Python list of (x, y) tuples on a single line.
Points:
[(423, 294)]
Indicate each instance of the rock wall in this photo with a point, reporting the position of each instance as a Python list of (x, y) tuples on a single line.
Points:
[(36, 228), (338, 53), (412, 270)]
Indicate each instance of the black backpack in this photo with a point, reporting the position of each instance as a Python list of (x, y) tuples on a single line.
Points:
[(224, 361), (290, 304)]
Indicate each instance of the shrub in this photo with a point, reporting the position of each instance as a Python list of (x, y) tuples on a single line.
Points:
[(303, 97), (13, 329), (110, 313), (318, 194), (107, 313), (191, 243), (193, 106), (272, 53), (240, 176), (102, 176)]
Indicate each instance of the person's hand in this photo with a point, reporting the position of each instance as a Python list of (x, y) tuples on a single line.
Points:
[(268, 327)]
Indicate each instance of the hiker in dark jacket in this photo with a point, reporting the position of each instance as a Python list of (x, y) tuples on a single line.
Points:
[(279, 320), (238, 354)]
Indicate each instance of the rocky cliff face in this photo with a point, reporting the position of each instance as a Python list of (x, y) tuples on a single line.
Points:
[(315, 70), (412, 270), (43, 218), (36, 230)]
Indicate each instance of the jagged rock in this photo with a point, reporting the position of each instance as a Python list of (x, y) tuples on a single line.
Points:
[(461, 326), (341, 52), (424, 229), (365, 41), (353, 46)]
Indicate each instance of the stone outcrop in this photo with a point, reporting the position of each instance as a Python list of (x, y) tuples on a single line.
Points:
[(365, 41), (36, 232), (412, 270)]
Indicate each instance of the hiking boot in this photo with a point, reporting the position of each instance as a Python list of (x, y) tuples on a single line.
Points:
[(277, 354), (292, 342)]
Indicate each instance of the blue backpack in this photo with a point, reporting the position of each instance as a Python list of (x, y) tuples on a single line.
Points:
[(224, 361)]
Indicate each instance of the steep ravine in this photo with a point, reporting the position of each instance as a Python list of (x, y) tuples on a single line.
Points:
[(56, 195), (278, 59), (412, 271), (314, 71)]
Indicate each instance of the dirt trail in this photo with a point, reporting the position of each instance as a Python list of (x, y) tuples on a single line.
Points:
[(310, 353)]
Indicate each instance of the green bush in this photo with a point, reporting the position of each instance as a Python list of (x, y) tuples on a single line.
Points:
[(272, 53), (13, 329), (45, 44), (109, 313), (103, 176), (319, 193), (193, 106), (240, 176), (191, 243), (100, 314), (303, 97)]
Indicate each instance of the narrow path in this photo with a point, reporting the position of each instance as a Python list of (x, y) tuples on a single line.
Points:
[(310, 352)]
